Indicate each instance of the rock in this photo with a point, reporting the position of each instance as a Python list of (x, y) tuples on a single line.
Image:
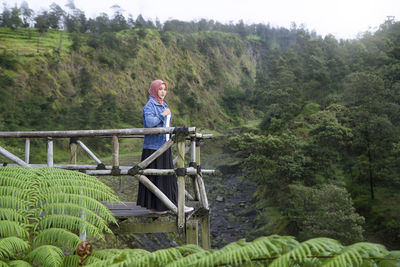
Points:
[(219, 199), (173, 243)]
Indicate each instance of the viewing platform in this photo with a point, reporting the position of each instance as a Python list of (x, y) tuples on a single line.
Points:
[(191, 224)]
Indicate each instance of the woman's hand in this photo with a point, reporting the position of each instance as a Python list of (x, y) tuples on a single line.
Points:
[(166, 112)]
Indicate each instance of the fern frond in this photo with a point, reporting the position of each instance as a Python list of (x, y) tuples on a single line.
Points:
[(95, 193), (3, 264), (356, 254), (19, 263), (18, 177), (108, 253), (12, 202), (190, 259), (64, 179), (139, 258), (71, 260), (85, 201), (12, 228), (59, 177), (242, 252), (77, 211), (71, 223), (13, 215), (392, 259), (16, 192), (312, 247), (11, 246), (58, 237), (48, 255)]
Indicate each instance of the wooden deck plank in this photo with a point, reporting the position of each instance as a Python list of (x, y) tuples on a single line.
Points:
[(128, 209)]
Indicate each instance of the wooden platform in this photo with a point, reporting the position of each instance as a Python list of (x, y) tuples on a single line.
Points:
[(127, 209), (130, 209)]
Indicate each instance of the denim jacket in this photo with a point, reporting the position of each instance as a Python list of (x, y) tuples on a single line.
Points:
[(152, 118)]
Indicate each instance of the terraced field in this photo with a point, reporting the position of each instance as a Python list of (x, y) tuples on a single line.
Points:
[(29, 42)]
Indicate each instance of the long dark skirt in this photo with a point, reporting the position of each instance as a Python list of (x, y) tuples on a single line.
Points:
[(167, 184)]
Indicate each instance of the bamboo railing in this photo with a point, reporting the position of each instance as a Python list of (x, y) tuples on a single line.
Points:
[(179, 136)]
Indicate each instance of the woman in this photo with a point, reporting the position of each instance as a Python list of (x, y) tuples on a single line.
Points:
[(157, 114)]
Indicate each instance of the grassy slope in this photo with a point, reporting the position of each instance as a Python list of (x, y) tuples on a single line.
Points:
[(199, 68)]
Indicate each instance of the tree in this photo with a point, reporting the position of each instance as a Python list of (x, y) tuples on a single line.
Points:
[(374, 133), (27, 14), (56, 15), (42, 22), (118, 23), (326, 211), (5, 17), (15, 20)]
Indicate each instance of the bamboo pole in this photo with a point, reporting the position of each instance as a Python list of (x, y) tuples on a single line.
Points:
[(181, 183), (156, 154), (161, 196), (91, 170), (176, 158), (87, 150), (14, 158), (27, 149), (83, 133), (115, 155), (50, 160), (205, 232), (192, 232), (200, 182), (73, 148), (193, 159)]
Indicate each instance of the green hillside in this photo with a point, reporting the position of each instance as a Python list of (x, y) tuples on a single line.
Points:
[(93, 82)]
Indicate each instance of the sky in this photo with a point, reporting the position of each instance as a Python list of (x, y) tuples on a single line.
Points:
[(343, 18)]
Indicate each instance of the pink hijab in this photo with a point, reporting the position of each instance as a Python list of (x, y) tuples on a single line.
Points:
[(153, 91)]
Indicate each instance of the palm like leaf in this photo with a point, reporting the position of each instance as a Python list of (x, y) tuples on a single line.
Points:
[(45, 209), (47, 255)]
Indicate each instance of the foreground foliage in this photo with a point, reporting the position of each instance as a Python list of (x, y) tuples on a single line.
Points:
[(45, 213), (265, 251)]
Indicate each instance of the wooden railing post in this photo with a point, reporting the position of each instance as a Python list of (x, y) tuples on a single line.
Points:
[(205, 231), (199, 180), (181, 181), (73, 148), (115, 156), (50, 161), (27, 149), (193, 158), (192, 232)]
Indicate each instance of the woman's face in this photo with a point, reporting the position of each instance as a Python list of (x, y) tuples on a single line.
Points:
[(162, 91)]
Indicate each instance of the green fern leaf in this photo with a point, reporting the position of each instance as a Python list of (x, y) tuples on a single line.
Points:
[(71, 260), (19, 263), (3, 264), (58, 237), (97, 194), (47, 255), (15, 203), (71, 223), (77, 211), (13, 215), (11, 228), (16, 177), (356, 254), (85, 201), (16, 192), (306, 249), (11, 246)]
